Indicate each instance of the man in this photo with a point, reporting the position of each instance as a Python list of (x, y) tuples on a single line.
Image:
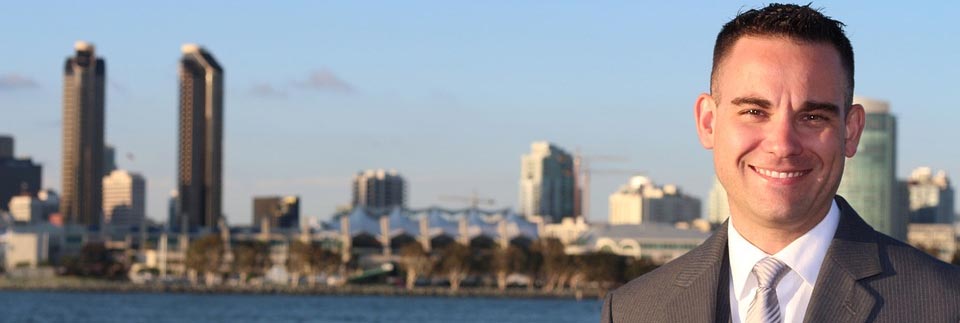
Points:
[(780, 121)]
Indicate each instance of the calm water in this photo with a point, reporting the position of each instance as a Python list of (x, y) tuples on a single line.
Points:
[(102, 307)]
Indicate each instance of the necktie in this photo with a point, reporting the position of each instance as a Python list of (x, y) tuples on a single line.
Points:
[(765, 308)]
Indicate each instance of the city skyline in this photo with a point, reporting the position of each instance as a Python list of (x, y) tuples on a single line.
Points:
[(450, 96)]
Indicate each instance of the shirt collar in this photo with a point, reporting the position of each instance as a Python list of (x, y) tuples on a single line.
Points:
[(804, 255)]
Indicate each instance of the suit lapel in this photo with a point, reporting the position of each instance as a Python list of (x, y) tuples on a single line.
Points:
[(853, 255), (706, 273)]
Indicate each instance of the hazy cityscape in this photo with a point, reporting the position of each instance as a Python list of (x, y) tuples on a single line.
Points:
[(231, 184)]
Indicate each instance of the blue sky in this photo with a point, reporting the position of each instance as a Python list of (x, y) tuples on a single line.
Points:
[(450, 94)]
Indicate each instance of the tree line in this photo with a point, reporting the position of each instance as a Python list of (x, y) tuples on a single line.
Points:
[(542, 264)]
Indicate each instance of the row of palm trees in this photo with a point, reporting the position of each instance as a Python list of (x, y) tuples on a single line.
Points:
[(542, 262)]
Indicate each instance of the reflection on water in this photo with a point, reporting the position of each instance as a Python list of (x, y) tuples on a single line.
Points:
[(95, 307)]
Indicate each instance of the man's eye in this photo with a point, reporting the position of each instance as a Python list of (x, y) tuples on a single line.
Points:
[(815, 117), (753, 112)]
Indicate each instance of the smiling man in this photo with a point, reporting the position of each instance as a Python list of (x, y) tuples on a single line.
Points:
[(780, 121)]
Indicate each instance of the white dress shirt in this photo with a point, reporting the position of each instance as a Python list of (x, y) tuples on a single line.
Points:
[(804, 257)]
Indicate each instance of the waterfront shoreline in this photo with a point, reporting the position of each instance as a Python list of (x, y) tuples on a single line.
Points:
[(71, 284)]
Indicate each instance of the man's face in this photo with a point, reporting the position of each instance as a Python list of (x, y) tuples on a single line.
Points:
[(778, 129)]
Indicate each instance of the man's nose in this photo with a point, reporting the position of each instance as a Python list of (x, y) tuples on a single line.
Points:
[(783, 138)]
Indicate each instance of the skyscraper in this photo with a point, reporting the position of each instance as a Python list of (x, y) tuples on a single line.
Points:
[(379, 188), (84, 94), (642, 201), (869, 180), (200, 166), (124, 199), (546, 182), (931, 197), (279, 211)]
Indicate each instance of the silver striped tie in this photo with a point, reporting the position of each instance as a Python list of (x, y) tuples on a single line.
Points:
[(765, 308)]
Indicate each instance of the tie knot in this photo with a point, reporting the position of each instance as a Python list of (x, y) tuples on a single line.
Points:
[(769, 271)]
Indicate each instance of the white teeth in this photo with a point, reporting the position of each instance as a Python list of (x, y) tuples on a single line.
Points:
[(775, 174)]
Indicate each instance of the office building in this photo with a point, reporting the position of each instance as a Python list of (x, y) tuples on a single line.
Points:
[(25, 209), (84, 94), (200, 163), (547, 182), (931, 197), (34, 209), (279, 212), (173, 205), (109, 159), (6, 146), (869, 180), (18, 177), (379, 188), (642, 201), (124, 199), (718, 207)]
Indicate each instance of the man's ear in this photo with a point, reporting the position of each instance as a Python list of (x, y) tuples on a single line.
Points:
[(853, 124), (705, 112)]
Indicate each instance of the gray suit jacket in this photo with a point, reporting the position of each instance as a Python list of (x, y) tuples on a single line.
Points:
[(866, 276)]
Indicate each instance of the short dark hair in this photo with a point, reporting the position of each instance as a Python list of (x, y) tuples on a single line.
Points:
[(799, 23)]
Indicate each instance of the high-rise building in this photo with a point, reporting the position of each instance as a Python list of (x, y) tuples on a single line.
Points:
[(642, 201), (18, 177), (6, 146), (34, 209), (279, 211), (379, 188), (547, 182), (931, 197), (173, 204), (109, 159), (50, 201), (200, 165), (84, 94), (124, 199), (869, 178), (25, 209), (718, 206)]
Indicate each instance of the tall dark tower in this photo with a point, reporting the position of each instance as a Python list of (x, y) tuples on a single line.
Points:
[(84, 76), (200, 165)]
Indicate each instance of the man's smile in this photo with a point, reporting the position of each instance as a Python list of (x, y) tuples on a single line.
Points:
[(782, 174)]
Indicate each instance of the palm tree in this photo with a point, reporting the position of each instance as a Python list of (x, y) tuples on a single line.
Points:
[(454, 263), (250, 257), (507, 261), (206, 255), (323, 260), (415, 262), (298, 260)]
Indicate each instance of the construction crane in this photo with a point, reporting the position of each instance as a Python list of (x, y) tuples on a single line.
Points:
[(474, 200), (583, 170)]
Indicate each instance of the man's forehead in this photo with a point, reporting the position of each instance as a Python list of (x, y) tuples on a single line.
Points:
[(749, 48), (758, 64)]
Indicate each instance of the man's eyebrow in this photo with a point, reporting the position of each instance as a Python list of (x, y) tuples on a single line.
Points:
[(820, 106), (752, 100), (807, 106)]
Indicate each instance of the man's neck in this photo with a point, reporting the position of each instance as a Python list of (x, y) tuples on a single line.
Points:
[(773, 236)]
